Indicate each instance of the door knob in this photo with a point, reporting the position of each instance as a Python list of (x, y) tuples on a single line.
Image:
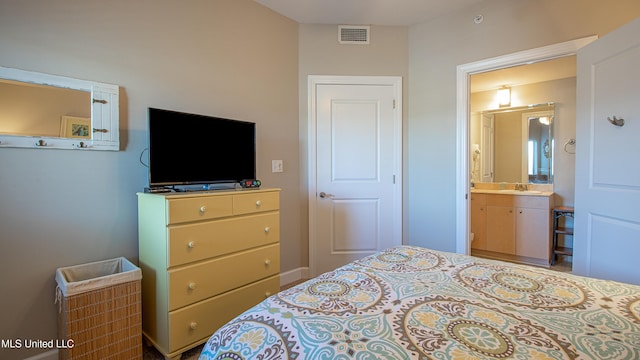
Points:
[(325, 195)]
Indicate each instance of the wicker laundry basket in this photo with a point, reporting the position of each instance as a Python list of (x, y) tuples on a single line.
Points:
[(100, 310)]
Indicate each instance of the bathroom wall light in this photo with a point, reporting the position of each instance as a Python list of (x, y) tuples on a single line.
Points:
[(544, 120), (504, 96)]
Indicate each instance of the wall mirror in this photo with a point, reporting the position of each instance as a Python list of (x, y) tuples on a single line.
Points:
[(54, 112), (516, 145)]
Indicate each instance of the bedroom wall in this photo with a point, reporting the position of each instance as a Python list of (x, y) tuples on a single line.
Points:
[(436, 48), (231, 58)]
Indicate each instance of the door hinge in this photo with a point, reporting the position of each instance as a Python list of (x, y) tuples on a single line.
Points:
[(394, 103), (394, 179)]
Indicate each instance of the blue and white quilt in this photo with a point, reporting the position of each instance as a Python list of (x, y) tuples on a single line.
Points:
[(414, 303)]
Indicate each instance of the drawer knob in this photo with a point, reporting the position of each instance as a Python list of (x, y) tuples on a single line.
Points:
[(266, 230), (267, 262), (258, 203), (192, 286), (193, 325), (203, 209), (267, 294), (191, 244)]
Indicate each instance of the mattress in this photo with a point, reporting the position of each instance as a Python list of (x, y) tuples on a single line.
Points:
[(415, 303)]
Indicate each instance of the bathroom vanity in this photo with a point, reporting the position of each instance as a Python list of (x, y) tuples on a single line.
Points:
[(512, 225)]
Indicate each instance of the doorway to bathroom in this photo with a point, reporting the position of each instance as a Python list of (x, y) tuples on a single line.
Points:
[(464, 146)]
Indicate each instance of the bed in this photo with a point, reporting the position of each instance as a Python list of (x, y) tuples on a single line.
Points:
[(414, 303)]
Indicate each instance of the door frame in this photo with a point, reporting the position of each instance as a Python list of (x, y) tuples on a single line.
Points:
[(464, 71), (313, 82)]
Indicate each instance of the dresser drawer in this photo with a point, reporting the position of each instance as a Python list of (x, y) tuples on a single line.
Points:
[(197, 282), (199, 208), (199, 241), (197, 322), (255, 202)]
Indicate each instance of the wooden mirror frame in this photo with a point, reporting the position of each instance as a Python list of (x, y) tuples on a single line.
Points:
[(105, 121)]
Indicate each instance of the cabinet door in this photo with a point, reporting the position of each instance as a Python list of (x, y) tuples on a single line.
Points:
[(501, 229), (106, 116), (479, 221), (532, 233)]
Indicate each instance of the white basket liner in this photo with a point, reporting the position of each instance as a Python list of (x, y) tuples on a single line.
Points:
[(73, 280)]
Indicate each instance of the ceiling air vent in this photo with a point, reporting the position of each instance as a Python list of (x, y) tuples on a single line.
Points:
[(350, 34)]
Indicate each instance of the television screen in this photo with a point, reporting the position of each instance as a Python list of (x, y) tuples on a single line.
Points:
[(196, 149)]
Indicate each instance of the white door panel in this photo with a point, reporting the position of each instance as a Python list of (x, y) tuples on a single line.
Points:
[(354, 140), (613, 245), (616, 145), (607, 219), (356, 180), (354, 233)]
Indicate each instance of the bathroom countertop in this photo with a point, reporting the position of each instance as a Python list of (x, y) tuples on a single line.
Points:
[(512, 192)]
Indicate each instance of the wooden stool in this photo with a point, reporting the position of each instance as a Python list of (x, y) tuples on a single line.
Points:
[(558, 212)]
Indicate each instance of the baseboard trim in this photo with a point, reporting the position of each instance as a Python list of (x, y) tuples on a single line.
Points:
[(294, 275), (49, 355)]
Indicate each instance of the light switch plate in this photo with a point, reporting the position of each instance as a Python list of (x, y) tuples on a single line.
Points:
[(276, 166)]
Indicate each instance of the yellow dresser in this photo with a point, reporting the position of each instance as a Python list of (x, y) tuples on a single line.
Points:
[(205, 258)]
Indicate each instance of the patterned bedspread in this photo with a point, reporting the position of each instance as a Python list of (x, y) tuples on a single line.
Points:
[(414, 303)]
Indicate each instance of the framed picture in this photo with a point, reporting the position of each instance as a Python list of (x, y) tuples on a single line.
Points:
[(75, 127)]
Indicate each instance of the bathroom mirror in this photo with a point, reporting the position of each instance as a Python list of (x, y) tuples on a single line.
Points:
[(516, 145), (53, 112)]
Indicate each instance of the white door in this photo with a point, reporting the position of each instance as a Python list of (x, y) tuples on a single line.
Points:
[(486, 147), (355, 200), (607, 205)]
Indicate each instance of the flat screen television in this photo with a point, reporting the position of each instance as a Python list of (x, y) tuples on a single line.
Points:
[(187, 149)]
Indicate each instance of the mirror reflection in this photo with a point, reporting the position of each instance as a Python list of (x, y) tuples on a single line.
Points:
[(515, 145), (46, 111), (43, 110)]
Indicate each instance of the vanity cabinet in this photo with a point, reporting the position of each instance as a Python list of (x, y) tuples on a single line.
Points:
[(517, 227), (479, 221), (501, 228), (533, 239), (205, 258)]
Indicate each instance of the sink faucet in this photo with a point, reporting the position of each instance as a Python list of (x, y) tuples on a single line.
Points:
[(522, 187)]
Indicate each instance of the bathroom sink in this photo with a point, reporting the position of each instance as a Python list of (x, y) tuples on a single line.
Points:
[(512, 192), (531, 192), (522, 192)]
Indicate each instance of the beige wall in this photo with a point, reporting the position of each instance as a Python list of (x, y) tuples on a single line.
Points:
[(230, 58), (436, 48)]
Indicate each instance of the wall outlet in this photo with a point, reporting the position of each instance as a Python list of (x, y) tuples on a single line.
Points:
[(276, 166)]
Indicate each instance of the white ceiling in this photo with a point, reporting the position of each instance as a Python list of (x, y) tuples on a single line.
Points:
[(407, 13), (365, 12)]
